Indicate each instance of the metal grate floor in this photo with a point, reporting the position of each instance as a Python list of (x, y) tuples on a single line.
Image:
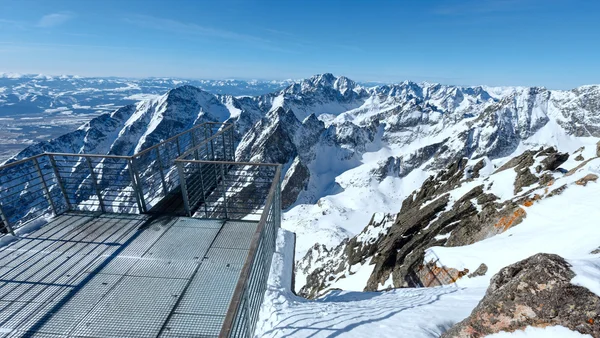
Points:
[(110, 275)]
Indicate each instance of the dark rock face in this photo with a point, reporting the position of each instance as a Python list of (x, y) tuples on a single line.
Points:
[(522, 161), (579, 158), (295, 180), (553, 161), (536, 292), (430, 217), (598, 149), (524, 179)]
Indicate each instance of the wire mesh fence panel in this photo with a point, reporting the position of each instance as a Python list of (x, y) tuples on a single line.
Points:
[(53, 183), (245, 306), (28, 191), (227, 190)]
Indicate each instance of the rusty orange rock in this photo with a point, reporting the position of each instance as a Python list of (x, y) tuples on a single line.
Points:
[(587, 178), (507, 221)]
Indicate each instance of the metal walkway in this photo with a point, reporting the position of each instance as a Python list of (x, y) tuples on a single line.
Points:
[(102, 249), (117, 275)]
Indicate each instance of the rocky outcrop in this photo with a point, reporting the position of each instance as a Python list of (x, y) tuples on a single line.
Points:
[(435, 215), (587, 178), (554, 160), (295, 180), (481, 271), (535, 292), (524, 179)]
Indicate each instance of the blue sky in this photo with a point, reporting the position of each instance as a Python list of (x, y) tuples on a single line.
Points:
[(552, 43)]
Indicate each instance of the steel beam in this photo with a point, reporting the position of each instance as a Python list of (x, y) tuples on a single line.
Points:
[(186, 201), (162, 173), (45, 186), (59, 181)]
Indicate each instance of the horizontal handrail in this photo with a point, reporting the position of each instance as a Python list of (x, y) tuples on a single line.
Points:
[(206, 141), (177, 136), (228, 162), (55, 182), (11, 164)]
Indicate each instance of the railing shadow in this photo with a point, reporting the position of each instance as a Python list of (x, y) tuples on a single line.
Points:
[(65, 292)]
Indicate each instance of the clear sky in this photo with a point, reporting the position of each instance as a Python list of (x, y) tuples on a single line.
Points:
[(552, 43)]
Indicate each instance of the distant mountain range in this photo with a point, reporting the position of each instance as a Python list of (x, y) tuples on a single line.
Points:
[(37, 108), (410, 184)]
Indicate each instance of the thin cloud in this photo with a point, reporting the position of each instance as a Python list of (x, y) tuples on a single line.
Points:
[(188, 29), (12, 23), (484, 7), (146, 21), (55, 19)]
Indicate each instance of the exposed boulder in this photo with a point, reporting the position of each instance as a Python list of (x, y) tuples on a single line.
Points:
[(554, 160), (587, 178), (477, 168), (524, 160), (536, 292), (481, 271), (598, 149), (524, 179), (579, 158), (430, 274)]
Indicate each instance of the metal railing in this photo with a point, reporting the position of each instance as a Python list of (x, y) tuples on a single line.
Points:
[(227, 190), (242, 314), (156, 169), (199, 162), (52, 183)]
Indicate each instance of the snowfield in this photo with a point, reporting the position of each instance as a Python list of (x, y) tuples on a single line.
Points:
[(418, 313), (566, 225)]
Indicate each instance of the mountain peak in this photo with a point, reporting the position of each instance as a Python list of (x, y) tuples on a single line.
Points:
[(323, 80)]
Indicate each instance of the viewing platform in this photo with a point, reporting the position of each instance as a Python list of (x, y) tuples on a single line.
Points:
[(174, 241)]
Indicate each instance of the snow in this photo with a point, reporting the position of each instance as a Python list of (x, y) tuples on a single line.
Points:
[(142, 97), (548, 228), (410, 313), (539, 332), (587, 273)]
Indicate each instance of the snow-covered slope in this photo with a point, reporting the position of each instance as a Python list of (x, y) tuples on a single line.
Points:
[(350, 151), (352, 155)]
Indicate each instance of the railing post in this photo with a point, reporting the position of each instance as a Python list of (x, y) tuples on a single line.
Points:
[(45, 186), (212, 149), (184, 192), (138, 182), (162, 173), (223, 189), (5, 221), (178, 146), (95, 183), (232, 144), (59, 181), (196, 156), (224, 148), (136, 189), (203, 191)]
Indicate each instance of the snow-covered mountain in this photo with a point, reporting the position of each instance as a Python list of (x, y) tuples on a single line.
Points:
[(36, 108), (350, 151), (397, 185)]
